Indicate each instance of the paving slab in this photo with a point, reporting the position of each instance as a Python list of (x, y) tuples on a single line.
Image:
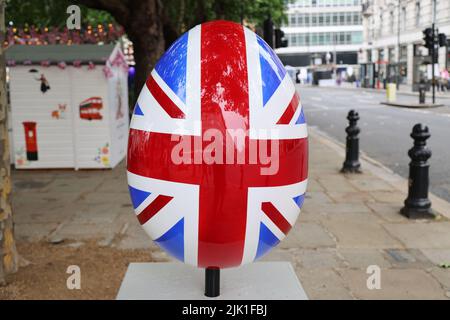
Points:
[(350, 197), (361, 258), (395, 284), (321, 258), (442, 276), (307, 235), (437, 256), (389, 212), (370, 184), (408, 259), (359, 231), (422, 234), (323, 284)]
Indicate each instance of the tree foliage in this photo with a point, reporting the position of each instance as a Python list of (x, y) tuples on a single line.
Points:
[(180, 15), (184, 14), (50, 13)]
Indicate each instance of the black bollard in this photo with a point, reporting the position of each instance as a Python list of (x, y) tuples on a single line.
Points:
[(212, 282), (351, 163), (422, 88), (417, 204)]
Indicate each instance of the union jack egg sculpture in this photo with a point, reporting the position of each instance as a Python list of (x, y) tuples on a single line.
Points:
[(217, 150)]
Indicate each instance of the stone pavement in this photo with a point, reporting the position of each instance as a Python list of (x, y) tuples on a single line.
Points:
[(349, 222)]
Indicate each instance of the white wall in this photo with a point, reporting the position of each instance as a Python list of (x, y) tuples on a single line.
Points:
[(92, 136), (67, 141), (118, 111), (28, 103)]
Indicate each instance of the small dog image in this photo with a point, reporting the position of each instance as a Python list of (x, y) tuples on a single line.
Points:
[(60, 113)]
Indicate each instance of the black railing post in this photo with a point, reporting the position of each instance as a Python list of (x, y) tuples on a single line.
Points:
[(351, 163), (417, 204)]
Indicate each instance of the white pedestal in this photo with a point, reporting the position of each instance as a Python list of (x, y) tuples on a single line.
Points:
[(176, 281)]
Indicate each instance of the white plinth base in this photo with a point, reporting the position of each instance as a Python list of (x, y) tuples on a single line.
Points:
[(176, 281)]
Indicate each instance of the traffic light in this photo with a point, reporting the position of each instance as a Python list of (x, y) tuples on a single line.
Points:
[(442, 39), (280, 42), (268, 31), (428, 38)]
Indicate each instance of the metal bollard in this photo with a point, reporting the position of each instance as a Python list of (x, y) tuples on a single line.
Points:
[(421, 95), (417, 204), (422, 89), (351, 163)]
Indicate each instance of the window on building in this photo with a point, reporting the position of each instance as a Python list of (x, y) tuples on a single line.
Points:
[(328, 19), (300, 20), (391, 21), (404, 18), (357, 37), (335, 19), (294, 40), (403, 53), (380, 25), (314, 19), (321, 38), (349, 18), (417, 13), (301, 39), (292, 21), (356, 16)]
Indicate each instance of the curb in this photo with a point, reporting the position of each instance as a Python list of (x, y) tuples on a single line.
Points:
[(412, 105), (382, 172), (376, 91)]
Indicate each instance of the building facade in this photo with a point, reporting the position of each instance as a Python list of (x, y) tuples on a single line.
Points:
[(393, 40), (319, 30)]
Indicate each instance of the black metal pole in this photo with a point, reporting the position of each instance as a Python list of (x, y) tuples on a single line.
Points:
[(417, 204), (351, 163), (268, 31), (433, 54), (212, 282)]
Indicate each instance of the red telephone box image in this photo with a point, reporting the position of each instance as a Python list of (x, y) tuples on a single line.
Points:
[(31, 140), (89, 108)]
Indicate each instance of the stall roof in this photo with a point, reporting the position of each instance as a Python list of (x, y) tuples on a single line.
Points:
[(55, 53)]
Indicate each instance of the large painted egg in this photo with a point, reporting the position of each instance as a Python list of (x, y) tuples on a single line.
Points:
[(217, 151)]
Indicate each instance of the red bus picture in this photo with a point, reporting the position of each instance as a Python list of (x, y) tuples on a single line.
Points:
[(89, 108)]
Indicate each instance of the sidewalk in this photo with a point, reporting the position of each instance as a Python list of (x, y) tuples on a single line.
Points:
[(348, 223)]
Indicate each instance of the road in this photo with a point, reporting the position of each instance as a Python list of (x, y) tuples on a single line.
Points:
[(385, 130)]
